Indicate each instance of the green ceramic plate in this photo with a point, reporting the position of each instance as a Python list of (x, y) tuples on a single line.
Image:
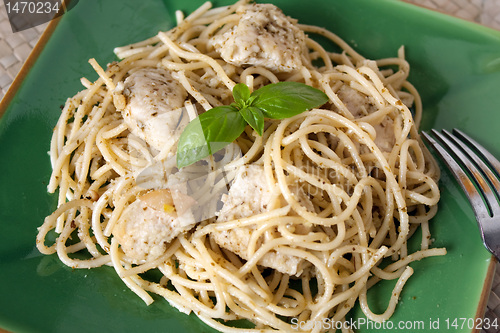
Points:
[(455, 65)]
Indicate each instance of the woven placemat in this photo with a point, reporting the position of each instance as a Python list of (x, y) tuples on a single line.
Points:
[(15, 48), (485, 12)]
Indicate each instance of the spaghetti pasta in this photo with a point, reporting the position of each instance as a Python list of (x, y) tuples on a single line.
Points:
[(291, 224)]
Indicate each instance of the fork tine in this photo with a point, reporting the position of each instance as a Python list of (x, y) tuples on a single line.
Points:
[(492, 162), (488, 224), (485, 169), (467, 186), (455, 145)]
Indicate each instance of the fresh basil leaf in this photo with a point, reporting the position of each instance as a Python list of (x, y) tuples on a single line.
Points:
[(218, 127), (287, 99), (254, 117), (241, 94), (208, 133)]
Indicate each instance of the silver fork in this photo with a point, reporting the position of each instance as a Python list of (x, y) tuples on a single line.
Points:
[(478, 172)]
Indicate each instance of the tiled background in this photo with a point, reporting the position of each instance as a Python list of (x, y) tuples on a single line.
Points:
[(15, 48)]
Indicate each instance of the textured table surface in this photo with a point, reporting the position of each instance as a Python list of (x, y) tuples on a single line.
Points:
[(15, 48)]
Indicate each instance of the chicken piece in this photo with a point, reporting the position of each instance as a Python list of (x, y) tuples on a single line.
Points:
[(358, 104), (249, 195), (154, 107), (385, 138), (152, 221), (264, 36), (361, 105)]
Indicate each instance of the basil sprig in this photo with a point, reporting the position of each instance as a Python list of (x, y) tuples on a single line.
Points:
[(218, 127)]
